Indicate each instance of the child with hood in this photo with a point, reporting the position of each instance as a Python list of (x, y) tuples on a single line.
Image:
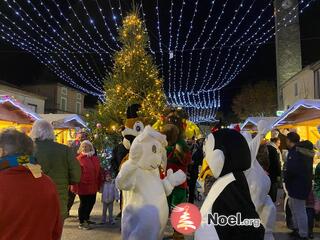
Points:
[(109, 195)]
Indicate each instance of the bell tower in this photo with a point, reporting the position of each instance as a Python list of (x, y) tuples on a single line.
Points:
[(288, 46)]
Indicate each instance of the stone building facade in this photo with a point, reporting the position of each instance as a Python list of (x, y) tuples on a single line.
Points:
[(60, 98), (288, 45), (303, 85)]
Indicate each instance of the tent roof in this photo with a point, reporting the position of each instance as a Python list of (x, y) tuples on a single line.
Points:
[(252, 122), (306, 111), (64, 120), (14, 111)]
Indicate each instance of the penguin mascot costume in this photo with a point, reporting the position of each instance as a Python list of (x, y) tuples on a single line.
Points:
[(228, 212)]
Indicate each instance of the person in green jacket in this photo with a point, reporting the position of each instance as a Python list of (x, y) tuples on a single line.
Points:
[(57, 161)]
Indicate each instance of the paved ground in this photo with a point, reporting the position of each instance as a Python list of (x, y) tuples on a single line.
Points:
[(103, 232)]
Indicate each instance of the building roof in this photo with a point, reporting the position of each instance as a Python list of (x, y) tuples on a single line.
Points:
[(52, 83), (13, 111), (15, 88), (64, 120), (303, 111), (315, 66)]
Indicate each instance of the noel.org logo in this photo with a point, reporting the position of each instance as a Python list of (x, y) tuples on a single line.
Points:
[(186, 219), (232, 220)]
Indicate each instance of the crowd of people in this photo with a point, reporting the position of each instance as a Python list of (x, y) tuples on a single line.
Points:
[(289, 164), (37, 164), (44, 177)]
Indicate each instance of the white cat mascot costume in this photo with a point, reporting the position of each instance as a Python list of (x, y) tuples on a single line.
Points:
[(145, 208), (259, 183)]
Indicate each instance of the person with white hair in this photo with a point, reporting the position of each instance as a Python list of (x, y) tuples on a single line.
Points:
[(29, 202), (90, 183), (56, 160)]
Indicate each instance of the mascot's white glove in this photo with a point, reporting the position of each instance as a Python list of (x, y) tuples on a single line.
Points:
[(176, 178), (172, 180)]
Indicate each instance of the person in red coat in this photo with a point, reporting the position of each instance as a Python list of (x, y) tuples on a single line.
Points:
[(90, 182), (29, 202)]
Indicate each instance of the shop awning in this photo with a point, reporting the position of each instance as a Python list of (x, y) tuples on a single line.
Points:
[(304, 112)]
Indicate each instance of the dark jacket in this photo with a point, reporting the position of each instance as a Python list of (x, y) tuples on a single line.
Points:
[(299, 168), (274, 164), (263, 157), (60, 164), (118, 153)]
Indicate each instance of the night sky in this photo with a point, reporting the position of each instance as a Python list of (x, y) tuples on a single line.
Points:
[(19, 67)]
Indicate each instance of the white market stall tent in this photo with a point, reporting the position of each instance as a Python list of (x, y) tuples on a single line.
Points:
[(252, 122), (15, 114), (65, 126)]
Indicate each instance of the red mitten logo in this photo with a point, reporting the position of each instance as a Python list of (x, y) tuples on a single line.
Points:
[(186, 218)]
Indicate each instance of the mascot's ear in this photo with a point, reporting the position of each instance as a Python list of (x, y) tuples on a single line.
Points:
[(247, 136), (215, 160), (263, 127), (209, 144)]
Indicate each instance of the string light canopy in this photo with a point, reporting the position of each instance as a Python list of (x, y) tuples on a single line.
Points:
[(199, 46)]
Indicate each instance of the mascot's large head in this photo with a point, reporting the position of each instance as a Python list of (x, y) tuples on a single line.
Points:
[(227, 151), (133, 125), (149, 148), (177, 117)]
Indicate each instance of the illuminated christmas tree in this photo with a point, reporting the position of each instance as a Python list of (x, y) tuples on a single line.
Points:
[(134, 79)]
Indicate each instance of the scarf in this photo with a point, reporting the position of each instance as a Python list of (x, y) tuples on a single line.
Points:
[(88, 154), (15, 161)]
